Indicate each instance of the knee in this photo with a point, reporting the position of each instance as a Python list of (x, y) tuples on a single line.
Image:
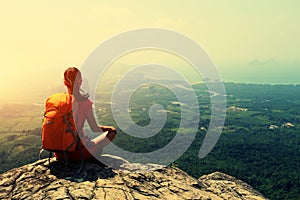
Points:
[(111, 135), (113, 129), (110, 129)]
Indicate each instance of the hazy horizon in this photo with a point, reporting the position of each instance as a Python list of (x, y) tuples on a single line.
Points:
[(249, 41), (39, 93)]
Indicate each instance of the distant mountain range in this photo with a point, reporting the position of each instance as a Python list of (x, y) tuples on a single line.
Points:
[(262, 72)]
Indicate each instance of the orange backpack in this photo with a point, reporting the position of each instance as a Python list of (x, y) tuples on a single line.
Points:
[(58, 130)]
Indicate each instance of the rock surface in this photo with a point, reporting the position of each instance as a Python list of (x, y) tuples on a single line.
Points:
[(40, 180)]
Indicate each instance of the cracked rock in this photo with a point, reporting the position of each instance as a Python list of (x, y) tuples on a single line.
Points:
[(41, 180)]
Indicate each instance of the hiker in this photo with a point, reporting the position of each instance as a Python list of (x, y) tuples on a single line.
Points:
[(83, 111)]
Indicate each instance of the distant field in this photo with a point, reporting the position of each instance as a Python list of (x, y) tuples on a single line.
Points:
[(20, 117), (4, 135), (17, 149), (260, 142)]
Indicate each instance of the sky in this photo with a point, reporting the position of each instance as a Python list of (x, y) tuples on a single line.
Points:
[(249, 41)]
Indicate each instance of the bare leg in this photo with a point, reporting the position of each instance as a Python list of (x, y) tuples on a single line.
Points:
[(104, 139)]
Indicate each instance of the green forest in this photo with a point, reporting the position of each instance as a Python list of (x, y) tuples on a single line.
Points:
[(260, 142)]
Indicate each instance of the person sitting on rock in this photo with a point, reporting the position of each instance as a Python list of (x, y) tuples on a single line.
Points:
[(83, 111)]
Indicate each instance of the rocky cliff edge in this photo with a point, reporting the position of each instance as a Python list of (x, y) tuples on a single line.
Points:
[(124, 180)]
